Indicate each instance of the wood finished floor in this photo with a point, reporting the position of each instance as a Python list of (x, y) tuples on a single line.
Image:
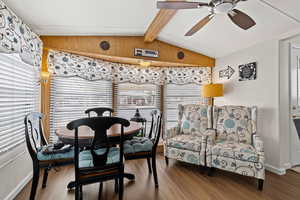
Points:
[(179, 181)]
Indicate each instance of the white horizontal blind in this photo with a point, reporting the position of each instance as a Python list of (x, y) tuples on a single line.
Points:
[(145, 97), (19, 96), (180, 94), (71, 96)]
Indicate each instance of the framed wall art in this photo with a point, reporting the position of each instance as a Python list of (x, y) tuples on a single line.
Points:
[(247, 71)]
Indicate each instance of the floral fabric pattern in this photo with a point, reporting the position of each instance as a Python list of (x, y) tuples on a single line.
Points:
[(252, 169), (233, 123), (66, 64), (193, 157), (187, 142), (239, 151), (230, 148), (17, 37), (193, 119)]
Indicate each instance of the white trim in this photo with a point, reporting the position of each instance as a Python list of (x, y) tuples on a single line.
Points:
[(12, 195), (279, 171)]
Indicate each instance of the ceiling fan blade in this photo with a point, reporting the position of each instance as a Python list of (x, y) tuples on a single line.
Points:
[(199, 25), (241, 19), (179, 5)]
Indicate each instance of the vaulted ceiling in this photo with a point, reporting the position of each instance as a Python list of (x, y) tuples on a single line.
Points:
[(132, 17)]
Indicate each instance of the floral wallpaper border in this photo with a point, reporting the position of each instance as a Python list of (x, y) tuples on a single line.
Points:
[(17, 37), (68, 65)]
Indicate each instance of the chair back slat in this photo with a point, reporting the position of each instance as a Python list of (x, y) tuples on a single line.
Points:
[(156, 127), (99, 111), (34, 135)]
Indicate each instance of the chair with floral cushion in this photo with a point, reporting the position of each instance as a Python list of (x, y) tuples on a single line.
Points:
[(233, 145), (146, 147), (37, 146), (187, 141)]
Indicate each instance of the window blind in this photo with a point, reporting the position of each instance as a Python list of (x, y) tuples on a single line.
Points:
[(71, 96), (179, 94), (19, 95), (129, 97)]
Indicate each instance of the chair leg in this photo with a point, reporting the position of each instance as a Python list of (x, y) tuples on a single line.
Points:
[(35, 180), (260, 184), (211, 171), (121, 186), (100, 190), (154, 170), (167, 160), (46, 170), (77, 192), (80, 191), (149, 165), (116, 186)]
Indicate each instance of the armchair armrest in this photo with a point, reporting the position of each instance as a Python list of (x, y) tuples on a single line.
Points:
[(172, 132), (258, 143), (209, 136)]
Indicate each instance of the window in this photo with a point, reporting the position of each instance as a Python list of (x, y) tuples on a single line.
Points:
[(179, 94), (71, 96), (145, 97), (19, 96)]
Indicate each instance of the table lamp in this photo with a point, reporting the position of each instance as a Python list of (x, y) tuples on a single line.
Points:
[(211, 91)]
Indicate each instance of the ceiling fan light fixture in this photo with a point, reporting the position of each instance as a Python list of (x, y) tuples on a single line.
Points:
[(223, 8)]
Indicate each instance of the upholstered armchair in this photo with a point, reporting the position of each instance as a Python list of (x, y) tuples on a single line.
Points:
[(187, 141), (233, 145)]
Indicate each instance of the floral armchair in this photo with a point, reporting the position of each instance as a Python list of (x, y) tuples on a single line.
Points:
[(233, 145), (187, 141)]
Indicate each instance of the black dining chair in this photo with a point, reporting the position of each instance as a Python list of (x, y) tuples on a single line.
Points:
[(145, 147), (98, 164), (99, 111), (36, 145)]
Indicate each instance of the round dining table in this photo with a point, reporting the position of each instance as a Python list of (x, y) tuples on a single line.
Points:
[(85, 134), (85, 137)]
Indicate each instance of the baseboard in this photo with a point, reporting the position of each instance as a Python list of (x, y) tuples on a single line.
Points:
[(275, 170), (12, 195)]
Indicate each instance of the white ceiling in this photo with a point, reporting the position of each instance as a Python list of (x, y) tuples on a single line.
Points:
[(132, 17)]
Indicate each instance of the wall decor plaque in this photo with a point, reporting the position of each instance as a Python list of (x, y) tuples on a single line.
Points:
[(226, 73), (247, 72)]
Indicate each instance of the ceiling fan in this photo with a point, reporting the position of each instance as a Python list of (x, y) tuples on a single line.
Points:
[(215, 7)]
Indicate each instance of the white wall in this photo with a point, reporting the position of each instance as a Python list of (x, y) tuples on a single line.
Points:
[(15, 172), (262, 92)]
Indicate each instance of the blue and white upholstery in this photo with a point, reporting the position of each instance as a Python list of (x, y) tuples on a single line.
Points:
[(138, 144), (234, 145), (187, 141)]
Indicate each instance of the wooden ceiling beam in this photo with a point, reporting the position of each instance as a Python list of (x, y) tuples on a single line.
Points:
[(162, 18)]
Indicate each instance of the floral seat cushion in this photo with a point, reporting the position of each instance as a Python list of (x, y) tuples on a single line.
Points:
[(238, 151), (54, 156), (186, 142), (86, 158), (138, 144)]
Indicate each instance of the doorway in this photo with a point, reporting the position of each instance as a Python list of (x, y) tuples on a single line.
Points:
[(295, 104)]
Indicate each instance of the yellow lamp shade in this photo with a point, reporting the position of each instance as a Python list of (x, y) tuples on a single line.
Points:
[(212, 90), (44, 75)]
